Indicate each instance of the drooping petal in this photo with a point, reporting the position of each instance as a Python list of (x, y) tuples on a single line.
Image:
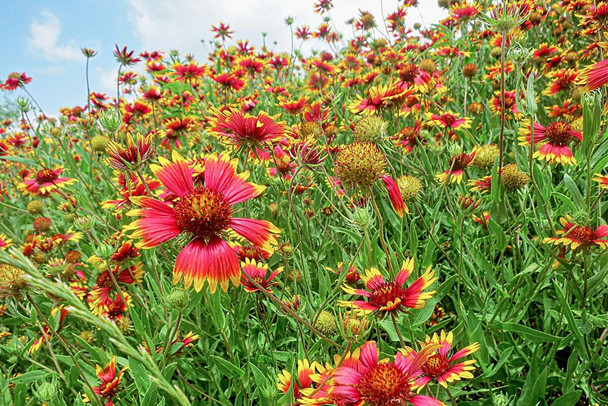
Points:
[(214, 262), (422, 400), (394, 194), (156, 225), (258, 232)]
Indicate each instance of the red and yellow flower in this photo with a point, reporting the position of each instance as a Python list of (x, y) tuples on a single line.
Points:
[(374, 382), (257, 272), (594, 76), (578, 236), (554, 140), (203, 211), (457, 165), (245, 129), (602, 180), (389, 297), (110, 382), (443, 368), (44, 182)]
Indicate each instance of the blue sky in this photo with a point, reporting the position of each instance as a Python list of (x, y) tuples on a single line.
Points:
[(44, 38)]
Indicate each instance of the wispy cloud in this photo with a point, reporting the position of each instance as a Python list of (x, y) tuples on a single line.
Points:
[(44, 38)]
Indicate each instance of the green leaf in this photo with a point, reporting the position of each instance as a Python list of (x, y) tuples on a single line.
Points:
[(150, 398), (574, 192), (527, 332), (140, 375), (29, 377), (568, 399), (227, 368)]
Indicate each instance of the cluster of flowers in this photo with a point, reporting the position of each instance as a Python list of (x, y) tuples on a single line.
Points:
[(176, 151)]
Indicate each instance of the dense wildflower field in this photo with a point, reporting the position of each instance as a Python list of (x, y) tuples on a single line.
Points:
[(406, 216)]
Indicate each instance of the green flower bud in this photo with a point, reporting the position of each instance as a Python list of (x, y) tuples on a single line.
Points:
[(46, 391), (111, 120), (362, 218), (85, 223), (178, 299), (104, 251)]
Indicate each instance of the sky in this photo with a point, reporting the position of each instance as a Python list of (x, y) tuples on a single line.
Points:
[(44, 37)]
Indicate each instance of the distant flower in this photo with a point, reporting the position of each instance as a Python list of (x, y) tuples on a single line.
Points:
[(245, 129), (110, 382), (15, 80), (89, 53), (579, 236), (457, 166), (131, 156), (386, 296), (44, 182), (185, 72), (448, 120), (441, 366), (222, 31), (258, 272), (125, 57)]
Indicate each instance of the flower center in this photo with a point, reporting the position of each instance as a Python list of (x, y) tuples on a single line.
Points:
[(46, 176), (460, 162), (203, 213), (581, 233), (104, 280), (559, 133), (408, 73), (115, 309), (436, 365), (384, 385), (386, 293)]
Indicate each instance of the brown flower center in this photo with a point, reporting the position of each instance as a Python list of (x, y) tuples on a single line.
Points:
[(559, 133), (408, 73), (386, 293), (104, 280), (384, 385), (436, 365), (583, 234), (203, 213), (46, 176)]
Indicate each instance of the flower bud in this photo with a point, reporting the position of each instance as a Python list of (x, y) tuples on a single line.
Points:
[(46, 391), (362, 218), (178, 299), (23, 105), (104, 251), (110, 120), (85, 223)]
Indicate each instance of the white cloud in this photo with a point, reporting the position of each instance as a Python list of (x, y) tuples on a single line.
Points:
[(104, 80), (44, 37), (181, 24)]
